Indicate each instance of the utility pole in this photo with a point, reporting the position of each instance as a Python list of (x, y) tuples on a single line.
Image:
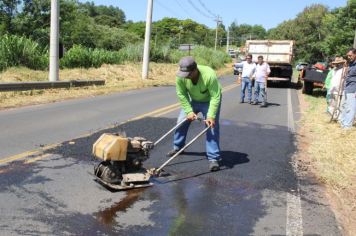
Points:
[(146, 49), (54, 42), (227, 40), (218, 21)]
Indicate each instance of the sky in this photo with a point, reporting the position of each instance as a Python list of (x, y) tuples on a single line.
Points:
[(266, 13)]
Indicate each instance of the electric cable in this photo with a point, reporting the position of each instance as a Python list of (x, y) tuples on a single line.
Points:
[(203, 5), (198, 10)]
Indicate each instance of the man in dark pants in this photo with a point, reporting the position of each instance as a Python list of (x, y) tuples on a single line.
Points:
[(349, 107), (198, 90)]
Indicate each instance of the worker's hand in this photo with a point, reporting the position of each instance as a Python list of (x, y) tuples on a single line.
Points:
[(210, 122), (192, 116)]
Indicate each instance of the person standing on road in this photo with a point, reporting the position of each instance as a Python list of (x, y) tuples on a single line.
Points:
[(198, 90), (248, 69), (349, 107), (261, 76)]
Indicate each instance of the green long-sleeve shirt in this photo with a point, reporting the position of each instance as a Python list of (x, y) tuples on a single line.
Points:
[(328, 78), (208, 89)]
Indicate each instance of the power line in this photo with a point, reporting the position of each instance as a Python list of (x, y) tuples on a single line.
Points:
[(180, 5), (198, 10), (167, 8), (203, 5)]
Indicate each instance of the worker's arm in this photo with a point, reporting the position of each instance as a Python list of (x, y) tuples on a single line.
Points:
[(215, 99), (184, 99), (268, 71)]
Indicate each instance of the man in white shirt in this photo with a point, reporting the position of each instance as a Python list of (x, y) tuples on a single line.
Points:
[(261, 75), (248, 69)]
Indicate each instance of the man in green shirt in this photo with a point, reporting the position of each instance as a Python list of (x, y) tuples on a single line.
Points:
[(198, 90), (328, 84)]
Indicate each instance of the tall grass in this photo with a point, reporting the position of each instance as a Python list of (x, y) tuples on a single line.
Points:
[(19, 51), (210, 57), (79, 56), (16, 51), (132, 52)]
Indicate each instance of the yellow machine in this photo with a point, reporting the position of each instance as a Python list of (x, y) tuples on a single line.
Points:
[(122, 158)]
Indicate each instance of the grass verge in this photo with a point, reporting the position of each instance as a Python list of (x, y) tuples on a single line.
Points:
[(118, 78), (332, 153)]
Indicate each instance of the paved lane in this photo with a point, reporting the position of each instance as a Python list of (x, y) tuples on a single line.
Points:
[(53, 193)]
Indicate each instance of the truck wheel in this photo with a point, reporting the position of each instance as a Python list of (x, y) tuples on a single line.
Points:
[(308, 87)]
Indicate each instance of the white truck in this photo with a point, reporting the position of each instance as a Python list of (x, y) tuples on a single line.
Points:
[(277, 53)]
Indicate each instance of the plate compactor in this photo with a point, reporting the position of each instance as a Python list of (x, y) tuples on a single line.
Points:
[(122, 158)]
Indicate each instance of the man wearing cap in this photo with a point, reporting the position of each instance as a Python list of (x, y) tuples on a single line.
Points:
[(349, 107), (334, 85), (198, 90)]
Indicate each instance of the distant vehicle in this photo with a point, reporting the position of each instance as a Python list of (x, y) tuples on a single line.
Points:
[(301, 65), (232, 53), (313, 76), (277, 53), (237, 69)]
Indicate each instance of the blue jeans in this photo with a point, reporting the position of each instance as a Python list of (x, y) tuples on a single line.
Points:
[(260, 87), (348, 110), (246, 82), (212, 135)]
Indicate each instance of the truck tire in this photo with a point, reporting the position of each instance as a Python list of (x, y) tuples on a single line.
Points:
[(308, 88)]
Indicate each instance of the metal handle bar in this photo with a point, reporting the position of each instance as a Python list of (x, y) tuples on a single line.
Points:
[(175, 127), (170, 131), (182, 149)]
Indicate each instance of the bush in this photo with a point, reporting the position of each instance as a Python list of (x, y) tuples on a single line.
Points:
[(20, 51), (203, 56), (210, 57), (132, 52), (79, 56)]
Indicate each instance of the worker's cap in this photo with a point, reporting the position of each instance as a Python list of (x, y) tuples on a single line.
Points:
[(186, 66)]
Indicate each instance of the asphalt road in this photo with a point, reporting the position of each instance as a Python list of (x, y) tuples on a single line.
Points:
[(47, 189)]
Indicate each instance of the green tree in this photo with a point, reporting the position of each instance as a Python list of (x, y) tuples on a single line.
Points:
[(137, 28), (305, 29), (240, 33), (338, 30), (8, 11), (104, 15)]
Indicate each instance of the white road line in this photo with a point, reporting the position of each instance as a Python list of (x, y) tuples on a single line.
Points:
[(294, 226)]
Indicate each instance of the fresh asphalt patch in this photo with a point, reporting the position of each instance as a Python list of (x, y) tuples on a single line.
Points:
[(57, 194)]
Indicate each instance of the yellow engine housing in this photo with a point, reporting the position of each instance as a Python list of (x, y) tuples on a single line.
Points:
[(110, 147)]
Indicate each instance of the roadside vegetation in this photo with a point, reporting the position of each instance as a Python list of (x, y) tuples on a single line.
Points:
[(118, 78), (332, 156)]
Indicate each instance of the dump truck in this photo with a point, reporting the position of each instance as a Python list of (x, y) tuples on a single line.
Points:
[(277, 53)]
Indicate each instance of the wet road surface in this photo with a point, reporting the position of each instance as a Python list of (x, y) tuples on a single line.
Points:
[(257, 192)]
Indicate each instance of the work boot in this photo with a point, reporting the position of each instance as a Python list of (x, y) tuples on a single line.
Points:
[(172, 153), (249, 102), (264, 104), (214, 165), (255, 103), (241, 101)]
